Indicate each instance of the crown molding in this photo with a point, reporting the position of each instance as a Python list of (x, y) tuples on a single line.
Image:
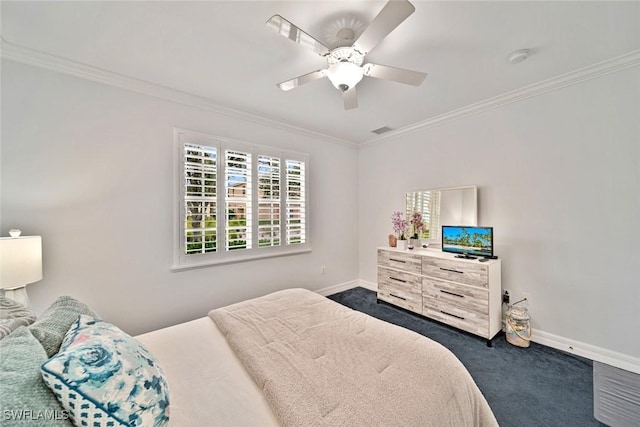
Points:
[(39, 59), (24, 55), (631, 59)]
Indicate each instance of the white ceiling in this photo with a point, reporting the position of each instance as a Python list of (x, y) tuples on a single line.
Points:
[(223, 51)]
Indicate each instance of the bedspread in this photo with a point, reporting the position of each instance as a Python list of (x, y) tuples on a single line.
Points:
[(322, 364)]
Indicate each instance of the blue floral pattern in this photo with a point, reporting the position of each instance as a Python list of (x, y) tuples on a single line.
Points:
[(104, 377)]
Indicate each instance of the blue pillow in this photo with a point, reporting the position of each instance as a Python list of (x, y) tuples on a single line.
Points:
[(104, 377)]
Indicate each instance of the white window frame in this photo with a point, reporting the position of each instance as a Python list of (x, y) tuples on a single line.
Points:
[(223, 256)]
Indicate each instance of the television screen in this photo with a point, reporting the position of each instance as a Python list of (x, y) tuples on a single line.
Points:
[(467, 240)]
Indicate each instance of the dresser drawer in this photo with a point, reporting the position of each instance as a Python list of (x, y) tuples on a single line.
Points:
[(469, 273), (466, 321), (436, 293), (400, 260), (398, 278), (400, 288), (411, 301)]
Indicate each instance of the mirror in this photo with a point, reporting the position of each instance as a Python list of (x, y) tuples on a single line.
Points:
[(444, 206)]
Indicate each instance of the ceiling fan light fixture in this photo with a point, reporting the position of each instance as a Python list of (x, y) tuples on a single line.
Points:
[(345, 75)]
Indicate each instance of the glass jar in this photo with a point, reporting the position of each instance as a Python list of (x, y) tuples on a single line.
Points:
[(518, 326)]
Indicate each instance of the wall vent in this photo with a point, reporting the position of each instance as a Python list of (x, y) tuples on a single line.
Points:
[(383, 129)]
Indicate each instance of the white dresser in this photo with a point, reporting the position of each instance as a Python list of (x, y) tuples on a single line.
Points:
[(462, 293)]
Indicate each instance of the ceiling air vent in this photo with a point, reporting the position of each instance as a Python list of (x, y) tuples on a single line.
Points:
[(383, 129)]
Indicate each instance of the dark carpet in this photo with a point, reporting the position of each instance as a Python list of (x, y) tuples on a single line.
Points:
[(535, 386)]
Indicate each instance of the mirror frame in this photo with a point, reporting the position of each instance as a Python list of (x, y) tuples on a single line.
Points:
[(433, 240)]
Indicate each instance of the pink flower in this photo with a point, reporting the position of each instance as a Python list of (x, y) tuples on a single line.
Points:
[(417, 222), (400, 224)]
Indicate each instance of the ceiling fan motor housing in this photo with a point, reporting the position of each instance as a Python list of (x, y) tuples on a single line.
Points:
[(345, 54)]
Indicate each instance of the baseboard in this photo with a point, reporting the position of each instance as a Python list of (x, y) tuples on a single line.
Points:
[(347, 285), (368, 285), (599, 354)]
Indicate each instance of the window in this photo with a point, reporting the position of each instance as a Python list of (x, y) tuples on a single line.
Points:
[(428, 203), (237, 201)]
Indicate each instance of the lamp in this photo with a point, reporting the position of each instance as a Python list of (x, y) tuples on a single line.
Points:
[(345, 75), (20, 264)]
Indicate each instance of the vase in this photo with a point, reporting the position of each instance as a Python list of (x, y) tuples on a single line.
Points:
[(415, 243), (402, 245), (393, 241)]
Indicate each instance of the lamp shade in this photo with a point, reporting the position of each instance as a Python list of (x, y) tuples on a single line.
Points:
[(20, 261)]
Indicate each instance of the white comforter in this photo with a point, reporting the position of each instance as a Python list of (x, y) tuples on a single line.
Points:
[(319, 363), (208, 386)]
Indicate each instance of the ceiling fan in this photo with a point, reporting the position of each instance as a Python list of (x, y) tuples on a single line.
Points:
[(345, 69)]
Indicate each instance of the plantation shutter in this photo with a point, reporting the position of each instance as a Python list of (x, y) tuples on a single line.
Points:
[(295, 202), (238, 199), (268, 201), (200, 203), (434, 214)]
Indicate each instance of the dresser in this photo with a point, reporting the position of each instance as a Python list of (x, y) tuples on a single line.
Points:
[(462, 293)]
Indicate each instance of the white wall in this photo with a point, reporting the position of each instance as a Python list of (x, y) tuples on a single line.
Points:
[(90, 168), (559, 179)]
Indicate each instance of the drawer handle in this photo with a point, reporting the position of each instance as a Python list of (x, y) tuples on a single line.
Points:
[(398, 280), (397, 296), (398, 260), (451, 293), (453, 315), (451, 270)]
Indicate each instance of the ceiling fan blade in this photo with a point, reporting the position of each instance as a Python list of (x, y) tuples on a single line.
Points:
[(400, 75), (295, 34), (392, 14), (303, 79), (350, 99)]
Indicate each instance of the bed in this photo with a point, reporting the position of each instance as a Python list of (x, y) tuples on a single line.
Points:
[(291, 358), (296, 358)]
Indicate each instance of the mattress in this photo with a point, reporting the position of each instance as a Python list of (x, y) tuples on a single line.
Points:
[(207, 382)]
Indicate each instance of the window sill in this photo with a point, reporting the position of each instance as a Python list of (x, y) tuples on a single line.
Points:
[(177, 268)]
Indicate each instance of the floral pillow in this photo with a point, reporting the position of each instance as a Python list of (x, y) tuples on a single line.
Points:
[(104, 377)]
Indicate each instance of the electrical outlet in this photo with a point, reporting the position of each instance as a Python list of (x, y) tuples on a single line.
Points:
[(322, 270), (506, 296)]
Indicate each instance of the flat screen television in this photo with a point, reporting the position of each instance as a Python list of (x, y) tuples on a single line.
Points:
[(469, 241)]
